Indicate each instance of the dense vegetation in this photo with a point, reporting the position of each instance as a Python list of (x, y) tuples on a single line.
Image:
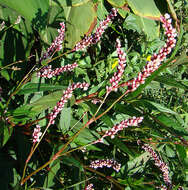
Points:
[(93, 94)]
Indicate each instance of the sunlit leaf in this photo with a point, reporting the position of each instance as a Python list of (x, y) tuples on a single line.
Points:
[(28, 9), (80, 21), (144, 8)]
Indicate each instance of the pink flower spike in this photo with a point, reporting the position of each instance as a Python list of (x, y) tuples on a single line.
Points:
[(105, 163), (36, 134), (47, 72), (120, 69), (67, 94), (57, 44), (94, 38), (156, 59), (134, 121), (159, 163)]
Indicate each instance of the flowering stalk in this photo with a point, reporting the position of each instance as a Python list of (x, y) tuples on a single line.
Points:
[(120, 69), (47, 71), (118, 127), (159, 163), (67, 94), (107, 163), (57, 44), (156, 59), (36, 134), (94, 38)]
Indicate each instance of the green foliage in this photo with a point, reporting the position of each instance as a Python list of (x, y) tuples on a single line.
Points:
[(69, 145)]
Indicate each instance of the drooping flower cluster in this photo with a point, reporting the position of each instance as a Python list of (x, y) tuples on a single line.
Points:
[(89, 187), (118, 127), (120, 69), (47, 71), (105, 163), (36, 134), (156, 59), (57, 44), (67, 94), (159, 163), (94, 38)]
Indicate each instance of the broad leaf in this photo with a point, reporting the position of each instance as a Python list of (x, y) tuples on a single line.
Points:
[(35, 12), (144, 8), (65, 118), (80, 21), (46, 102), (140, 24), (70, 3), (117, 3)]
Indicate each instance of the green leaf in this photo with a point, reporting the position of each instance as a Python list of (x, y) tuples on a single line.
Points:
[(65, 118), (155, 105), (106, 118), (4, 73), (80, 20), (122, 147), (170, 122), (28, 9), (171, 81), (140, 24), (96, 88), (117, 3), (49, 179), (72, 3), (5, 133), (144, 8), (46, 102), (70, 161), (170, 152), (137, 164), (85, 137), (181, 151), (37, 87)]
